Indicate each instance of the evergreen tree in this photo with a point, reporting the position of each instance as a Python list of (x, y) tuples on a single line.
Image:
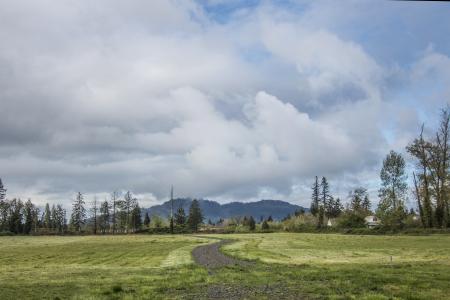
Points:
[(60, 218), (359, 201), (35, 214), (104, 216), (366, 205), (127, 205), (195, 217), (180, 216), (251, 223), (334, 208), (265, 225), (16, 215), (326, 201), (54, 218), (4, 213), (314, 209), (28, 215), (136, 220), (94, 211), (78, 217), (47, 218), (114, 198), (269, 219), (147, 220), (2, 191)]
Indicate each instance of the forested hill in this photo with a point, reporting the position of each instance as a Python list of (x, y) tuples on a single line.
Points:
[(214, 211)]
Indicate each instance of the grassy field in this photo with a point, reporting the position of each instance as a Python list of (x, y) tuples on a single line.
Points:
[(285, 265)]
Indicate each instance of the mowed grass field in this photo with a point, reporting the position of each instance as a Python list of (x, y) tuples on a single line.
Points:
[(284, 265)]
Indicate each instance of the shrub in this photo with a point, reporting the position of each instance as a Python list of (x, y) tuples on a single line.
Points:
[(351, 220), (300, 223), (265, 225)]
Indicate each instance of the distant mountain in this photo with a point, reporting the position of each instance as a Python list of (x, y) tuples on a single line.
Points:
[(212, 210)]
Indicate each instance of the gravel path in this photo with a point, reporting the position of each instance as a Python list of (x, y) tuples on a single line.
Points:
[(210, 256)]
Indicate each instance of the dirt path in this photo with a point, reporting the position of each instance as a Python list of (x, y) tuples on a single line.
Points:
[(210, 256)]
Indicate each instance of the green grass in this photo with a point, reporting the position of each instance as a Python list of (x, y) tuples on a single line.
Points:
[(285, 265), (97, 267)]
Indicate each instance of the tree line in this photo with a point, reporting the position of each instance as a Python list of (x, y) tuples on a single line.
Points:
[(119, 214), (431, 188), (431, 175)]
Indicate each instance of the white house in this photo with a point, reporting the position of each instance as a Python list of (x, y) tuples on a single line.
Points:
[(331, 222), (372, 221)]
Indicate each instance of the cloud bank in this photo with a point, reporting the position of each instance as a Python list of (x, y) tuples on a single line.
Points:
[(241, 103)]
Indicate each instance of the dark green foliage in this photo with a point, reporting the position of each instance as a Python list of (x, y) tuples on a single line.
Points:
[(171, 225), (136, 221), (314, 209), (324, 192), (94, 214), (265, 225), (104, 216), (127, 206), (60, 219), (393, 180), (4, 215), (180, 216), (195, 217), (47, 217), (321, 216), (28, 217), (16, 215), (2, 191), (391, 208), (299, 212), (359, 201), (335, 208), (251, 223), (351, 220), (78, 218), (269, 219), (146, 220), (54, 217)]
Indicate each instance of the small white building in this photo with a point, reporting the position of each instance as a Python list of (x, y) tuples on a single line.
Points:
[(372, 221), (331, 222)]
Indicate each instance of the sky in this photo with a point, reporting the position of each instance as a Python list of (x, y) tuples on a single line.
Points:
[(225, 100)]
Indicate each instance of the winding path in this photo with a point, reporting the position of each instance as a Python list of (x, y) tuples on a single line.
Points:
[(210, 256)]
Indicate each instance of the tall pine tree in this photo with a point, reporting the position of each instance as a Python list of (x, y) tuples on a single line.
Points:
[(180, 216), (195, 217), (47, 217), (104, 216), (147, 220), (315, 198), (78, 218), (2, 191)]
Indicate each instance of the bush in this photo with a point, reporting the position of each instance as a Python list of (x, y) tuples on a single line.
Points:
[(265, 225), (351, 220)]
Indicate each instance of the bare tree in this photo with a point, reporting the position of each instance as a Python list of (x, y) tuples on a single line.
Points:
[(419, 149), (114, 198)]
